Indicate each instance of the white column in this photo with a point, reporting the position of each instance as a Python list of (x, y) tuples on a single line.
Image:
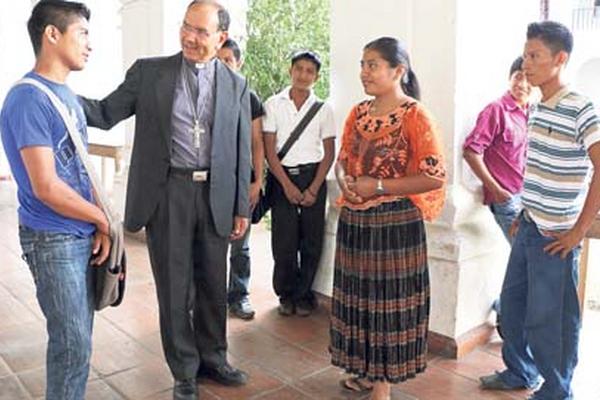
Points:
[(461, 51)]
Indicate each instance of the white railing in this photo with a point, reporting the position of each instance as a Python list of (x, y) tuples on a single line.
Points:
[(586, 19)]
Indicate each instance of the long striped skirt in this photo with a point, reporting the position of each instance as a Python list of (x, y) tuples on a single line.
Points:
[(380, 305)]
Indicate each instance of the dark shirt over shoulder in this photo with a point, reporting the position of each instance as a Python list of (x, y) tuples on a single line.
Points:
[(256, 108)]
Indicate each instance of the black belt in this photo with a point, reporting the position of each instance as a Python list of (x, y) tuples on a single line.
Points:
[(194, 175), (299, 169)]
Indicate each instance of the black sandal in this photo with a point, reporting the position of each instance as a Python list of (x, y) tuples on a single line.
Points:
[(355, 385)]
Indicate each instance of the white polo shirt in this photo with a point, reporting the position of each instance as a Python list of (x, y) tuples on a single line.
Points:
[(281, 117)]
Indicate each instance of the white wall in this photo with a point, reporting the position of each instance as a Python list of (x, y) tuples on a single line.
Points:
[(587, 80), (490, 35), (16, 56)]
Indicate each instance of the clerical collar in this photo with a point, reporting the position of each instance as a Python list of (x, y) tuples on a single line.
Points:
[(196, 66)]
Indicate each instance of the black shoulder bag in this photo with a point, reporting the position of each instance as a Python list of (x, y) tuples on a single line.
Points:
[(265, 201)]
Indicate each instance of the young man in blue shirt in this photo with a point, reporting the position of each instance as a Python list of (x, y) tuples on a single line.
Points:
[(60, 226)]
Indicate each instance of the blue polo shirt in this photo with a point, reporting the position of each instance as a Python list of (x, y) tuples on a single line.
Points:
[(27, 119)]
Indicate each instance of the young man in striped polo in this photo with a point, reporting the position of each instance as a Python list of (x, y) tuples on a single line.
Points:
[(540, 309)]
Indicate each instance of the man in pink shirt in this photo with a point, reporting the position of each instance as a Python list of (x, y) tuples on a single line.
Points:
[(496, 149)]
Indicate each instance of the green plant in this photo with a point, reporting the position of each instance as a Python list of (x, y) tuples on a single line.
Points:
[(278, 28)]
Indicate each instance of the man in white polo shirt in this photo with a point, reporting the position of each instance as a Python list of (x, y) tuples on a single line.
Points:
[(540, 309), (299, 191)]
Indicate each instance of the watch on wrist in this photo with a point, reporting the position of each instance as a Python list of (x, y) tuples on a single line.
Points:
[(379, 189)]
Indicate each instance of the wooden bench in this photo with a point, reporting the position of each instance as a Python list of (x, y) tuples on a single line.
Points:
[(106, 151)]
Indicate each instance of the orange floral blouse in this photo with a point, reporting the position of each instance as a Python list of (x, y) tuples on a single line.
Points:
[(405, 142)]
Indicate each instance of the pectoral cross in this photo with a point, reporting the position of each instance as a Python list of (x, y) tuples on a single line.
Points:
[(198, 131)]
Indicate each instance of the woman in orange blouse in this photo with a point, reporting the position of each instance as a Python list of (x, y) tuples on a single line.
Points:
[(391, 172)]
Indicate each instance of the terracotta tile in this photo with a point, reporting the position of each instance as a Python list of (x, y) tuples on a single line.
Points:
[(142, 381), (285, 361), (398, 394), (107, 332), (292, 363), (33, 306), (319, 347), (24, 357), (285, 393), (437, 383), (110, 358), (168, 395), (325, 385), (23, 334), (144, 292), (473, 365), (4, 369), (163, 395), (4, 294), (14, 312), (152, 343), (494, 348), (99, 390), (140, 326), (251, 345), (295, 329), (21, 287), (287, 357), (12, 389), (34, 380), (131, 308), (259, 381), (236, 326)]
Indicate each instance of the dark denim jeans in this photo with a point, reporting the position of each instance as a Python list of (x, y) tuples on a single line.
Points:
[(505, 214), (540, 315), (239, 269), (59, 265)]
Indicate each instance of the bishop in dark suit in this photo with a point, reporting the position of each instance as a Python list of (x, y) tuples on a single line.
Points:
[(188, 186)]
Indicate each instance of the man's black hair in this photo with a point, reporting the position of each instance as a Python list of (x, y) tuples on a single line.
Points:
[(234, 47), (554, 35), (223, 14), (308, 56), (58, 13), (517, 65)]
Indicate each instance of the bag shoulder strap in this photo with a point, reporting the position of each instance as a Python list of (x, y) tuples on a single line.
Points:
[(79, 146), (295, 135)]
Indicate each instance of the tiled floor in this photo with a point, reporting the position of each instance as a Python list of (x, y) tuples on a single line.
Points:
[(285, 357)]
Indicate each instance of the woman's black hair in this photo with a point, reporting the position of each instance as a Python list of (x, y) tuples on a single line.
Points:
[(392, 51)]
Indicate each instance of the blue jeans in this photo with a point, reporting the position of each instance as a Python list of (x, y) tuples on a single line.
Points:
[(540, 315), (239, 269), (505, 213), (59, 265)]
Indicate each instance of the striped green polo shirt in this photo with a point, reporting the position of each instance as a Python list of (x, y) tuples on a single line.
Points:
[(561, 130)]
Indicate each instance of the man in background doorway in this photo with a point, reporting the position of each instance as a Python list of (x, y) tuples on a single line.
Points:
[(299, 193), (239, 252)]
